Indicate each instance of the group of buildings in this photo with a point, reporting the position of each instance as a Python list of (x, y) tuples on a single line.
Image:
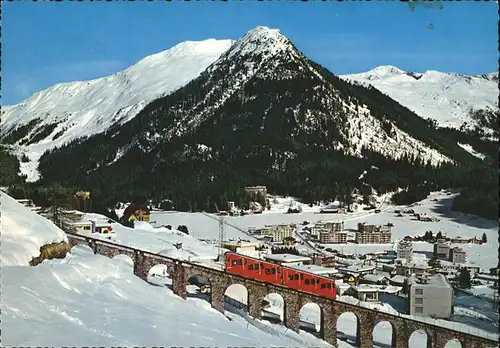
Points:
[(328, 233), (444, 251), (373, 234)]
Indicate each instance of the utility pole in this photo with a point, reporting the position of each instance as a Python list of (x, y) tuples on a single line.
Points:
[(221, 232)]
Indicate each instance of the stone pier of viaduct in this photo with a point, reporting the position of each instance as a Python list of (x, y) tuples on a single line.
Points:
[(182, 271)]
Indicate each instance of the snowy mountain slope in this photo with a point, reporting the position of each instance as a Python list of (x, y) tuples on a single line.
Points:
[(444, 97), (262, 109), (23, 232), (68, 111), (258, 54)]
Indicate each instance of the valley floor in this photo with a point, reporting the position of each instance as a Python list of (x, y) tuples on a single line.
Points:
[(88, 299)]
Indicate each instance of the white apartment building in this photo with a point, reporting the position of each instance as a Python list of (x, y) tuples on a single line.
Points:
[(372, 234), (327, 226), (430, 296), (405, 250), (279, 232), (458, 255), (329, 237), (442, 250)]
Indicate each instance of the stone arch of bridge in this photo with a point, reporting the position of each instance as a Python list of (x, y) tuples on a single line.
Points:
[(236, 297), (74, 241), (384, 333), (273, 307), (420, 338), (160, 274), (124, 259), (311, 316), (454, 343), (81, 248), (199, 285), (346, 331)]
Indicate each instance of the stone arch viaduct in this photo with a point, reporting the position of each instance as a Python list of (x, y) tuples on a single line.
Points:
[(181, 271)]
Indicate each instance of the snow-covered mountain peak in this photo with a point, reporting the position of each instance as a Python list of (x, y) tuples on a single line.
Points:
[(260, 41), (444, 97), (387, 69), (436, 76), (490, 77), (209, 46), (380, 72)]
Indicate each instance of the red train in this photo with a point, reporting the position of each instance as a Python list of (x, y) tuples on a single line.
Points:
[(250, 267)]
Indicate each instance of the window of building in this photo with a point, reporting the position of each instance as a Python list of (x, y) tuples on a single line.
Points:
[(419, 309), (86, 228), (419, 301), (369, 296), (419, 291)]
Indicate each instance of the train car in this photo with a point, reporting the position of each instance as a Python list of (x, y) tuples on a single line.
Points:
[(253, 268), (309, 282)]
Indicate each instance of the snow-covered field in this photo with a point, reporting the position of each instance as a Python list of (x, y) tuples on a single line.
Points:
[(451, 224), (206, 226)]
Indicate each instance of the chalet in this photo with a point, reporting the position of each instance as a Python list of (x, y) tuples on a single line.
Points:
[(79, 226), (89, 226), (357, 270), (363, 292), (243, 248), (375, 279), (397, 280), (137, 212), (102, 227)]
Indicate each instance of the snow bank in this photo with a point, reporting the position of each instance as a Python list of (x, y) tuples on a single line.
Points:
[(24, 232), (89, 299)]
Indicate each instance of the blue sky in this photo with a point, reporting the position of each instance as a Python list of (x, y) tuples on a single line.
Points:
[(47, 43)]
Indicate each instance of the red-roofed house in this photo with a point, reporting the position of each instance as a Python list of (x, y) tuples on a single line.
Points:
[(137, 212)]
